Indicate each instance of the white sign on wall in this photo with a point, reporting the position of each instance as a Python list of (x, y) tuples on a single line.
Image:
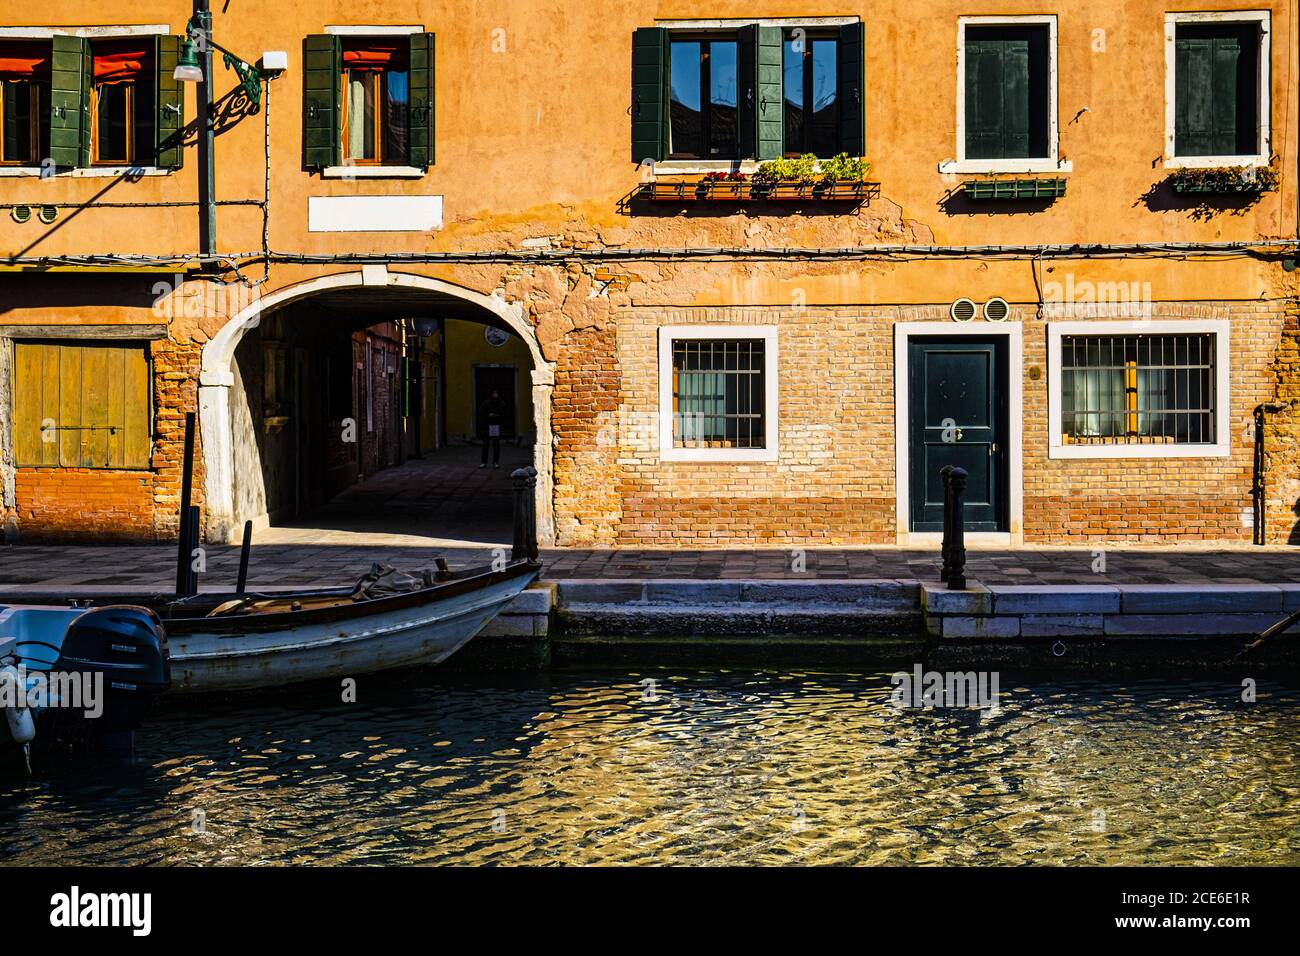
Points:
[(374, 213)]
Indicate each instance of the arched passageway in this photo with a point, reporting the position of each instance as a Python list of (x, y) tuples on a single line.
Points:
[(353, 409)]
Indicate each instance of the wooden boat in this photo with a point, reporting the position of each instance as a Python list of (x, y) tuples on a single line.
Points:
[(235, 642)]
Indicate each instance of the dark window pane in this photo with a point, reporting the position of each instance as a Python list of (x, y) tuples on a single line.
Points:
[(113, 126), (1216, 89), (395, 120), (1140, 389), (687, 127), (16, 109), (722, 99), (717, 394), (824, 138), (794, 94)]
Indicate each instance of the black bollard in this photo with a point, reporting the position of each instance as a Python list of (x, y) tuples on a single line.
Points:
[(946, 471), (183, 557), (242, 585), (524, 546), (957, 546)]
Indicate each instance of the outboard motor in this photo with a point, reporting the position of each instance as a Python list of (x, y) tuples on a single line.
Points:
[(128, 646)]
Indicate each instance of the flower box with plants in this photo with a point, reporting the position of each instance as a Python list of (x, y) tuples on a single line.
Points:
[(998, 189), (839, 179), (1225, 179), (806, 177)]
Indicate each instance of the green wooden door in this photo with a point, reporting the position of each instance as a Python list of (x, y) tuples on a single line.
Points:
[(958, 411)]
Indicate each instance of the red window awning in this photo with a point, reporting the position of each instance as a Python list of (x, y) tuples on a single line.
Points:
[(117, 61), (375, 55), (25, 60)]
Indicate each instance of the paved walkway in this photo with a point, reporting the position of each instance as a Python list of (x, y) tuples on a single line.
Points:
[(445, 506), (49, 568)]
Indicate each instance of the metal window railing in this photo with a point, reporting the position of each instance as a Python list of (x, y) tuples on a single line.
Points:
[(1138, 389), (719, 393)]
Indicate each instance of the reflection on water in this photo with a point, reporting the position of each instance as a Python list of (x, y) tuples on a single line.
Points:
[(699, 768)]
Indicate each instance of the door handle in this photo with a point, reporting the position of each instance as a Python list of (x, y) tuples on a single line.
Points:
[(959, 434), (993, 449)]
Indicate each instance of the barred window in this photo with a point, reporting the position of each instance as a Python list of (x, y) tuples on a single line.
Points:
[(719, 393), (1138, 389)]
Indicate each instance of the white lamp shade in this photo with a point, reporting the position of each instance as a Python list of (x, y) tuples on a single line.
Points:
[(188, 74)]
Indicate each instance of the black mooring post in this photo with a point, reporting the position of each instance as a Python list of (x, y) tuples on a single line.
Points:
[(957, 547), (244, 549), (183, 546), (519, 477), (524, 546), (530, 527), (946, 472), (192, 580)]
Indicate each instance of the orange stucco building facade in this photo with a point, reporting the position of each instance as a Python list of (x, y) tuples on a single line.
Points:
[(762, 369)]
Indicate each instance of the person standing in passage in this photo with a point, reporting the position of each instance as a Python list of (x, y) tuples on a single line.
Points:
[(491, 415)]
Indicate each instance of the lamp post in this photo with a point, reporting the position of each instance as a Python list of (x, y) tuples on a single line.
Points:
[(194, 65)]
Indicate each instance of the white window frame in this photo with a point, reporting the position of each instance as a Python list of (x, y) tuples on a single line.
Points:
[(1265, 101), (1049, 164), (1221, 329), (669, 334)]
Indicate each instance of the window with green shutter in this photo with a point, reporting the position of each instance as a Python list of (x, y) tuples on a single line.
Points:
[(368, 101), (758, 92), (1216, 89), (1007, 95), (82, 405)]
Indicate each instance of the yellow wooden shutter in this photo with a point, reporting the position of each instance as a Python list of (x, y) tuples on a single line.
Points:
[(82, 405)]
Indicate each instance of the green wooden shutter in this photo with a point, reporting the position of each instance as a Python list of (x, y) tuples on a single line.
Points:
[(1015, 97), (70, 102), (747, 91), (322, 76), (169, 95), (1003, 105), (422, 100), (770, 91), (649, 94), (852, 72), (96, 398), (1215, 91)]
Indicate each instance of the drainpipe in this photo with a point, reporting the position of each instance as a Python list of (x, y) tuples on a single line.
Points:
[(208, 139), (1258, 491)]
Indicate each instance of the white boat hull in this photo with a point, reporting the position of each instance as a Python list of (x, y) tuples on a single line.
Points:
[(417, 636)]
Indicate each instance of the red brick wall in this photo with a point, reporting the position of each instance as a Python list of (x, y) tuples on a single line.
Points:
[(84, 506)]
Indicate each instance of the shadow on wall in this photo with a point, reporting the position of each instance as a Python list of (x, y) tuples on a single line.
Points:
[(1200, 207)]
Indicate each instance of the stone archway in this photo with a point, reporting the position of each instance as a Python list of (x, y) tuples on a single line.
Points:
[(217, 377)]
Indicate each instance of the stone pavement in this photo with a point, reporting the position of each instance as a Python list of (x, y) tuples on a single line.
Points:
[(445, 506), (52, 568)]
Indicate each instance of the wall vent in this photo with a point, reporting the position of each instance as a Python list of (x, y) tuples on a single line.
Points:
[(996, 309), (963, 310)]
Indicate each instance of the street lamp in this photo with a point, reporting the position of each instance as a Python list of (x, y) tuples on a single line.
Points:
[(194, 65)]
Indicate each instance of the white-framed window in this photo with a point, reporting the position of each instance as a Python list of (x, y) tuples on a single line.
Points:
[(1217, 82), (1138, 389), (1007, 81), (718, 393)]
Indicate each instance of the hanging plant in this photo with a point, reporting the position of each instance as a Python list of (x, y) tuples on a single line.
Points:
[(1225, 179)]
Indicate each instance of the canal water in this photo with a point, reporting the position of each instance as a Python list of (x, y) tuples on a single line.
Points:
[(687, 767)]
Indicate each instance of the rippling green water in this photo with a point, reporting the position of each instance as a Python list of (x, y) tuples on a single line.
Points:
[(708, 767)]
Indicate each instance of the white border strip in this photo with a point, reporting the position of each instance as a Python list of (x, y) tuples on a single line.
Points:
[(45, 33), (1264, 105), (1014, 333), (670, 333), (372, 31), (1222, 394), (731, 24)]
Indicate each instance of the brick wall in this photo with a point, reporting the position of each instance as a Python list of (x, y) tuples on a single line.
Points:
[(85, 506), (834, 481)]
